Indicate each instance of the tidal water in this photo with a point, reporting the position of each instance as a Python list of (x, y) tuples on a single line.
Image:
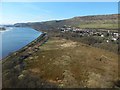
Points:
[(14, 38)]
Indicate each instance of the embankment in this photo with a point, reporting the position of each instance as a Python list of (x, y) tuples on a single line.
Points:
[(14, 71)]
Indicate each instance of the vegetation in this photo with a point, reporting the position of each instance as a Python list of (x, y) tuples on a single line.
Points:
[(97, 22), (99, 25), (65, 60), (89, 40), (61, 63), (15, 72)]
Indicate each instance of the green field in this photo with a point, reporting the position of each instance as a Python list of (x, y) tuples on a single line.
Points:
[(101, 26)]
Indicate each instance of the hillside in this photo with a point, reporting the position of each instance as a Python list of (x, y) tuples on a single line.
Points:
[(94, 22), (60, 63), (84, 58)]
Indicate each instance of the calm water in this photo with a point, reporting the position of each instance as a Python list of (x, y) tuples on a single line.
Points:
[(15, 38)]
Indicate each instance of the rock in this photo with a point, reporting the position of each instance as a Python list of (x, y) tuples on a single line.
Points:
[(20, 76), (17, 67), (15, 53), (43, 56), (50, 59), (31, 58), (57, 78), (61, 85), (36, 57), (29, 52), (59, 81), (24, 71)]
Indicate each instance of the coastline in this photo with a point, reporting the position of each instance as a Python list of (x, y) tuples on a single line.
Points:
[(16, 64), (26, 46), (55, 62)]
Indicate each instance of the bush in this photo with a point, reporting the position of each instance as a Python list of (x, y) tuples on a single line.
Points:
[(91, 40), (117, 83)]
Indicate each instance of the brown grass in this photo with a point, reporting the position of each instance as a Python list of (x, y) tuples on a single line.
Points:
[(84, 63)]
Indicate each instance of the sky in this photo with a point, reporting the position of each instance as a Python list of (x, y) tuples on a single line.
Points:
[(22, 12)]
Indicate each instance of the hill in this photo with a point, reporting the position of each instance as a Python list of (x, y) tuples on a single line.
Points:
[(66, 59), (60, 63), (94, 22)]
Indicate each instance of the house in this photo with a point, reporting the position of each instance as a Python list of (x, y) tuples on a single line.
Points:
[(116, 34), (107, 41), (114, 39), (102, 35)]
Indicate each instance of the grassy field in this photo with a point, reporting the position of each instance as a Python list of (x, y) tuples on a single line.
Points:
[(99, 25), (72, 64), (93, 22), (61, 63)]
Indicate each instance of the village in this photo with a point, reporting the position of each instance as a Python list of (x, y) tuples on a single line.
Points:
[(107, 35)]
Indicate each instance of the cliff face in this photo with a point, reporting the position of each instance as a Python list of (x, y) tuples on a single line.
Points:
[(98, 21)]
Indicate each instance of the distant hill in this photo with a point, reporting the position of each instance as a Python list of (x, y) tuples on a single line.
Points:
[(94, 22)]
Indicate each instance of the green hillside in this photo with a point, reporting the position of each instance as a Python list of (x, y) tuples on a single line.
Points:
[(97, 22)]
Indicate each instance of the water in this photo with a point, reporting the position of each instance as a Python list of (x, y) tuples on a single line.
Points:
[(15, 38)]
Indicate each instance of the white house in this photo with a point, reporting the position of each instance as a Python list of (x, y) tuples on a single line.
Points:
[(102, 35), (114, 39)]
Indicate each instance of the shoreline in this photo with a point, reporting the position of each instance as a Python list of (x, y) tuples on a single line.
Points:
[(25, 47), (55, 63)]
